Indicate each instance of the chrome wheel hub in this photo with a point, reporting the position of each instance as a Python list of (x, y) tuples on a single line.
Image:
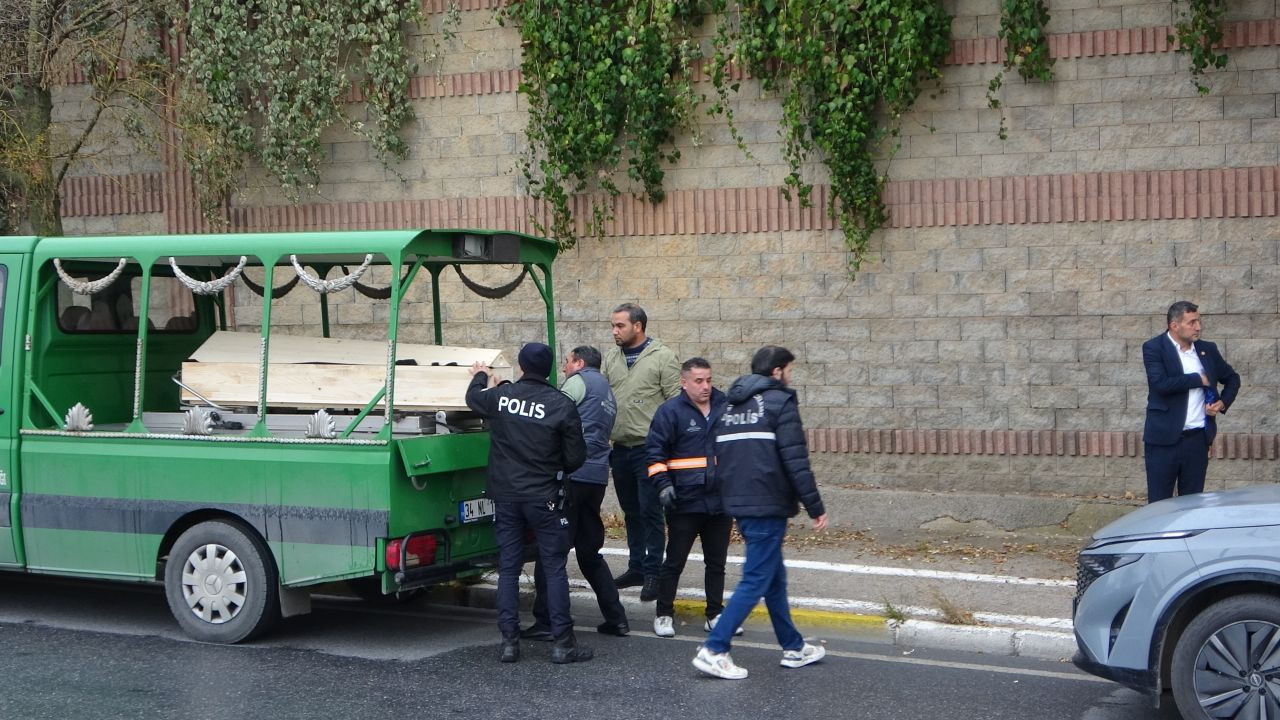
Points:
[(214, 583), (1237, 673)]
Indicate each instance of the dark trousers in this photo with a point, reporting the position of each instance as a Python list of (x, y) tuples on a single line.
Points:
[(1182, 465), (763, 576), (551, 532), (682, 528), (640, 509), (586, 532)]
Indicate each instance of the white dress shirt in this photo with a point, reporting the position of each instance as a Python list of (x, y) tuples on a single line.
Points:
[(1195, 398)]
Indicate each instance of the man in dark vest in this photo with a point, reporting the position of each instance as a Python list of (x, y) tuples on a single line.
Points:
[(535, 437), (586, 386)]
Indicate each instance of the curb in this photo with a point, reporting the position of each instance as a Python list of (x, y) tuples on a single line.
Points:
[(989, 639)]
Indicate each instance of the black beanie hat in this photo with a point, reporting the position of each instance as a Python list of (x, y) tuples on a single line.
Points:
[(535, 359)]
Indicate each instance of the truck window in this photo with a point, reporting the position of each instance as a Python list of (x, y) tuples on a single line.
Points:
[(115, 308)]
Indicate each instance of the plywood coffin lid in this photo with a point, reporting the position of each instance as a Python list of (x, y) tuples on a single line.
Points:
[(243, 347)]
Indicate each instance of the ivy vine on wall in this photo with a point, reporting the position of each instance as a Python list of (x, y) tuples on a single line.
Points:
[(263, 79), (1198, 34), (1026, 49), (604, 81), (846, 73)]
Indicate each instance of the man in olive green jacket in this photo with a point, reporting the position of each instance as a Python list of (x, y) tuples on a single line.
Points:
[(643, 373)]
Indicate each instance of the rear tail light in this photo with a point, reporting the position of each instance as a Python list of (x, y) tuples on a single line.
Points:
[(420, 550)]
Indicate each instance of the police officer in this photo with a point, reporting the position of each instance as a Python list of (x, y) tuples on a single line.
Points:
[(586, 386), (535, 435)]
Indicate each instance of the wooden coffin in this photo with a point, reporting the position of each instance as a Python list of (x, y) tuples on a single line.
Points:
[(311, 372)]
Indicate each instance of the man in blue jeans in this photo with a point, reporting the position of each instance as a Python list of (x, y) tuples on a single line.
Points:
[(763, 467)]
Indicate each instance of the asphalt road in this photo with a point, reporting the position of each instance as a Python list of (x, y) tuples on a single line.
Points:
[(74, 649)]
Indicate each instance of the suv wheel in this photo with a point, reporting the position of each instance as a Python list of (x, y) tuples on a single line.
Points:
[(1227, 662)]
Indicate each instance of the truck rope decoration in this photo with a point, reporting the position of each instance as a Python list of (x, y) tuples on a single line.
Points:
[(276, 293), (87, 288), (78, 419), (213, 287), (492, 293), (374, 293), (325, 287)]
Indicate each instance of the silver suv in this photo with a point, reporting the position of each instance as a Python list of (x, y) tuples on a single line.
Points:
[(1185, 594)]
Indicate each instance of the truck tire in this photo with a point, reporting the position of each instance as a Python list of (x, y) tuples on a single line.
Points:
[(1227, 662), (221, 584)]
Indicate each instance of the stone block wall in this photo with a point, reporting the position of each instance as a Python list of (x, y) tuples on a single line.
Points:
[(1006, 301)]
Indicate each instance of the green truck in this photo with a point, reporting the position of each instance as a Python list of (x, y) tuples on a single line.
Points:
[(145, 440)]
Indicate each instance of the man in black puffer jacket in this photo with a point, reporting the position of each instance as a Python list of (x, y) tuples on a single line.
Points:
[(535, 435), (679, 451), (763, 468)]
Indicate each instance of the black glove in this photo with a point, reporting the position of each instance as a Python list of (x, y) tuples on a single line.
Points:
[(667, 496)]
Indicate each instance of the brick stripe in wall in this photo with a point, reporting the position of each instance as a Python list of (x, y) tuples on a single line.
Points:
[(113, 195), (971, 51), (1078, 197), (1070, 443), (1128, 41), (1085, 197)]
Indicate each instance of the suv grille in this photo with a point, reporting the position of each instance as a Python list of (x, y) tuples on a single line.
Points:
[(1086, 573)]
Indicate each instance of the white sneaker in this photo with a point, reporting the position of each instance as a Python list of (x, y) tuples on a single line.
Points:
[(663, 626), (804, 656), (710, 625), (718, 665)]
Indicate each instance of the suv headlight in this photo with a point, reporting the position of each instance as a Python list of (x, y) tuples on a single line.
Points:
[(1092, 567)]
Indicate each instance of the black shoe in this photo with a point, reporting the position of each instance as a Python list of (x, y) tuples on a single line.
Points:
[(630, 578), (619, 629), (510, 650), (649, 592), (567, 650), (541, 633)]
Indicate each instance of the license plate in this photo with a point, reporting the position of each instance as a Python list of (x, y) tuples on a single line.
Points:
[(473, 510)]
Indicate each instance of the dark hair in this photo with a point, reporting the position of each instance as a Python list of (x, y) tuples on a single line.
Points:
[(1178, 309), (635, 314), (770, 358), (694, 362), (588, 355)]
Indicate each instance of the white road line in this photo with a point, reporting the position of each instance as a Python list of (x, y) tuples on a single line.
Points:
[(890, 571)]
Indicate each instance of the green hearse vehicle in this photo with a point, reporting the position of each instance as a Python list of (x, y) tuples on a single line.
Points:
[(143, 438)]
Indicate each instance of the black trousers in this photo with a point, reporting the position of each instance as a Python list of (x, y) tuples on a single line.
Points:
[(1182, 465), (682, 528), (512, 523), (586, 532)]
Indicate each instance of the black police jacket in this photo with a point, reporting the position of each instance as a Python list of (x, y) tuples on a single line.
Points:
[(678, 450), (534, 433), (762, 462)]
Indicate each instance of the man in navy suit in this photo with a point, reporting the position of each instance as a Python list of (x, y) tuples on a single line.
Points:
[(1184, 374)]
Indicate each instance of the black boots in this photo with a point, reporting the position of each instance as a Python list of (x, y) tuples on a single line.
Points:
[(537, 632), (510, 651), (649, 590), (567, 650), (630, 578), (619, 629)]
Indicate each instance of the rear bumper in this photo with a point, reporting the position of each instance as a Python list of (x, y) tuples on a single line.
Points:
[(436, 574)]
